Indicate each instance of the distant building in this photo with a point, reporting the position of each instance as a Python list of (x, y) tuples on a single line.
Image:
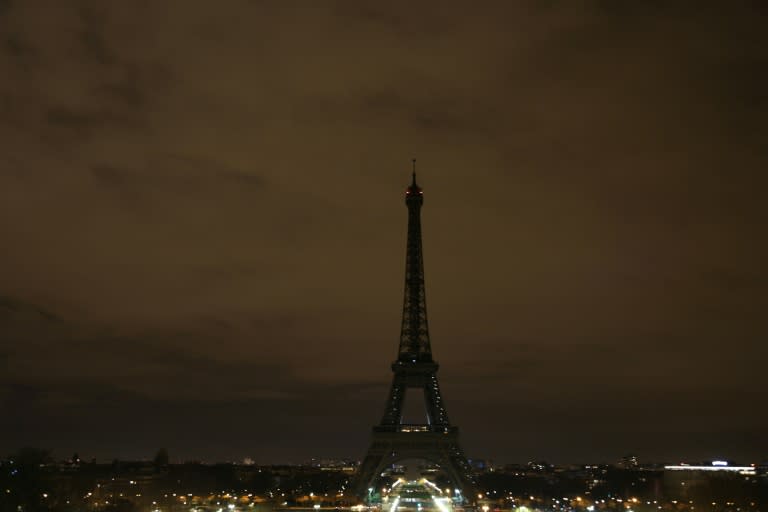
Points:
[(715, 481), (628, 462), (713, 466)]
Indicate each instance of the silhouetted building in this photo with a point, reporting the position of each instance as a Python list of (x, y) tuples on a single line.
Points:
[(434, 439)]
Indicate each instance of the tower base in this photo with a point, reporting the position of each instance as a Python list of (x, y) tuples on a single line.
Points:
[(439, 445)]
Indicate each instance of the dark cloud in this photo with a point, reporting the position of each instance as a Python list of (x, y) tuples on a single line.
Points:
[(157, 375), (10, 306), (128, 92), (92, 38), (177, 172), (16, 47), (723, 279), (5, 5), (201, 214)]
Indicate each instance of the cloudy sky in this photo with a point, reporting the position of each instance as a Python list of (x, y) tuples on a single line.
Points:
[(203, 231)]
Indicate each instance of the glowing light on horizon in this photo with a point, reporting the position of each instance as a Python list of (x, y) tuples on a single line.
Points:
[(743, 470)]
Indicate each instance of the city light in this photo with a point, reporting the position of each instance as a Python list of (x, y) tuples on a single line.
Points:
[(743, 470), (441, 503)]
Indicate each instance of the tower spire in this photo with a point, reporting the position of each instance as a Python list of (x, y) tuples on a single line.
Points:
[(414, 331)]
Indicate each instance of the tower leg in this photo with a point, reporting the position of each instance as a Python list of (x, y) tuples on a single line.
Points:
[(440, 448)]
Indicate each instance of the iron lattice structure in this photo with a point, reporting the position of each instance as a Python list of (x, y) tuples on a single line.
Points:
[(435, 440)]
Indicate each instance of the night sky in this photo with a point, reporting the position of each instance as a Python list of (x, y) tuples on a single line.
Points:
[(202, 225)]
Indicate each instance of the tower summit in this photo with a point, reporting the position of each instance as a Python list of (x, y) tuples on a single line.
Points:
[(414, 332), (433, 440)]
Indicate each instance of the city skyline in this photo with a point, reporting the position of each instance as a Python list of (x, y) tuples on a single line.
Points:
[(204, 238)]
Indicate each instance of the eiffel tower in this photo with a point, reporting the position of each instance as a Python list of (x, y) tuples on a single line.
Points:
[(435, 440)]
